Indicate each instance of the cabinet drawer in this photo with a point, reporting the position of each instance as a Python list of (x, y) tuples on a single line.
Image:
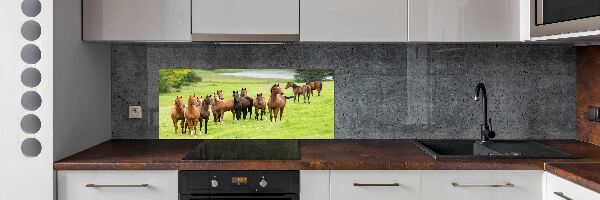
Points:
[(376, 185), (560, 189), (117, 185), (482, 185)]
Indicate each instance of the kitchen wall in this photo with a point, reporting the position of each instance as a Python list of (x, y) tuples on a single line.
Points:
[(88, 65), (588, 92), (382, 90)]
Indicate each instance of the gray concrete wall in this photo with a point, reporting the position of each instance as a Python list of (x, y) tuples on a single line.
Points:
[(382, 90)]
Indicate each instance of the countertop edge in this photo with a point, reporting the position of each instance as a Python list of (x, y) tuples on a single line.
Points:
[(573, 177)]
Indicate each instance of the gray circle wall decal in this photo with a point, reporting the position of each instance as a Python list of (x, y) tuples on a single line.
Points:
[(31, 30), (31, 100), (31, 147), (31, 77), (31, 8), (31, 124), (31, 54)]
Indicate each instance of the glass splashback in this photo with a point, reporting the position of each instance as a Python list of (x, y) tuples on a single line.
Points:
[(246, 104)]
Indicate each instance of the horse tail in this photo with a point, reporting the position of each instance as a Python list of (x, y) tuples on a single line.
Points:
[(320, 85)]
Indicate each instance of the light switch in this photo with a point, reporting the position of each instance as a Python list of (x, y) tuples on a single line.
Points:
[(135, 112)]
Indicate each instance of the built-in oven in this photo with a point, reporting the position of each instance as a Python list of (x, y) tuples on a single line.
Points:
[(238, 185), (553, 17)]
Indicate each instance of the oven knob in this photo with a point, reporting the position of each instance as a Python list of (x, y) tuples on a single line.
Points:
[(263, 183), (214, 183)]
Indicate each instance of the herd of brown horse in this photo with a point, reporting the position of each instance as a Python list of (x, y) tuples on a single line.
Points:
[(190, 116)]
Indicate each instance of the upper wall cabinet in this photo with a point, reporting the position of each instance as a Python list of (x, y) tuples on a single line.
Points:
[(245, 20), (353, 20), (136, 20), (468, 20)]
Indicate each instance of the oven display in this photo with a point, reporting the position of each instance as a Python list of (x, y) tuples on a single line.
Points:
[(239, 181)]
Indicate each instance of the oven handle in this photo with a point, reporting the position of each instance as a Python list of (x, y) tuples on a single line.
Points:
[(193, 197)]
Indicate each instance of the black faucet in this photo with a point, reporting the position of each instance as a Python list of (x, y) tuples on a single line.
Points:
[(486, 129)]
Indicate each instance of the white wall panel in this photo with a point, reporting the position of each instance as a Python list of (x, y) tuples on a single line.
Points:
[(25, 178)]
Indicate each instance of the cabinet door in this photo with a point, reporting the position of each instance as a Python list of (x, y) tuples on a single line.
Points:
[(482, 185), (374, 184), (117, 185), (353, 20), (560, 189), (234, 17), (136, 20), (468, 20), (314, 185)]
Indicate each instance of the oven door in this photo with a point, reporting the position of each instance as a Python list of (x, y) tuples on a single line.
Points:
[(241, 197), (553, 17)]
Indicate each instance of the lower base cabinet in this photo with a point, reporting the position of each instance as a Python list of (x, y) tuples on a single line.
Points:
[(117, 185), (482, 185), (375, 185), (560, 189), (341, 185), (314, 184), (422, 185)]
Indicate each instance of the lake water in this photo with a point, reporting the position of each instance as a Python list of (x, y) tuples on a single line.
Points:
[(267, 74)]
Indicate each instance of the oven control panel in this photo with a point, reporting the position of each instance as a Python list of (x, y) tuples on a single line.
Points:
[(226, 182)]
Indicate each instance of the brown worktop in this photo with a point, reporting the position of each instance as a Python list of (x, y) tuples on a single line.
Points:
[(314, 154), (584, 174)]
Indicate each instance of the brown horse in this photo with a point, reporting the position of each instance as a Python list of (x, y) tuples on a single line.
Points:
[(192, 112), (315, 85), (276, 103), (205, 113), (299, 90), (247, 103), (260, 104), (177, 114), (199, 101), (219, 94), (220, 107), (216, 95)]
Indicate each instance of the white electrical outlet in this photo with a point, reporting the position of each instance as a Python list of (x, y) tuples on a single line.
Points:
[(135, 112)]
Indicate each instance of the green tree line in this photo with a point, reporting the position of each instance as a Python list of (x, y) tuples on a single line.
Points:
[(170, 79)]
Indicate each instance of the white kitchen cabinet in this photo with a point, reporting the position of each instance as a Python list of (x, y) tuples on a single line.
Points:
[(314, 185), (137, 20), (375, 184), (245, 20), (482, 185), (468, 20), (560, 189), (117, 185), (353, 20)]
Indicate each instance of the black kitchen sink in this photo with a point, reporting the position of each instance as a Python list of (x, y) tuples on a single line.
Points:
[(503, 149)]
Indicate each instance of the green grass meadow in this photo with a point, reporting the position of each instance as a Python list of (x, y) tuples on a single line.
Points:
[(300, 120)]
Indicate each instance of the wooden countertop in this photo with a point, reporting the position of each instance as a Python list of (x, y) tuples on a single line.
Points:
[(331, 155), (584, 174), (314, 154)]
